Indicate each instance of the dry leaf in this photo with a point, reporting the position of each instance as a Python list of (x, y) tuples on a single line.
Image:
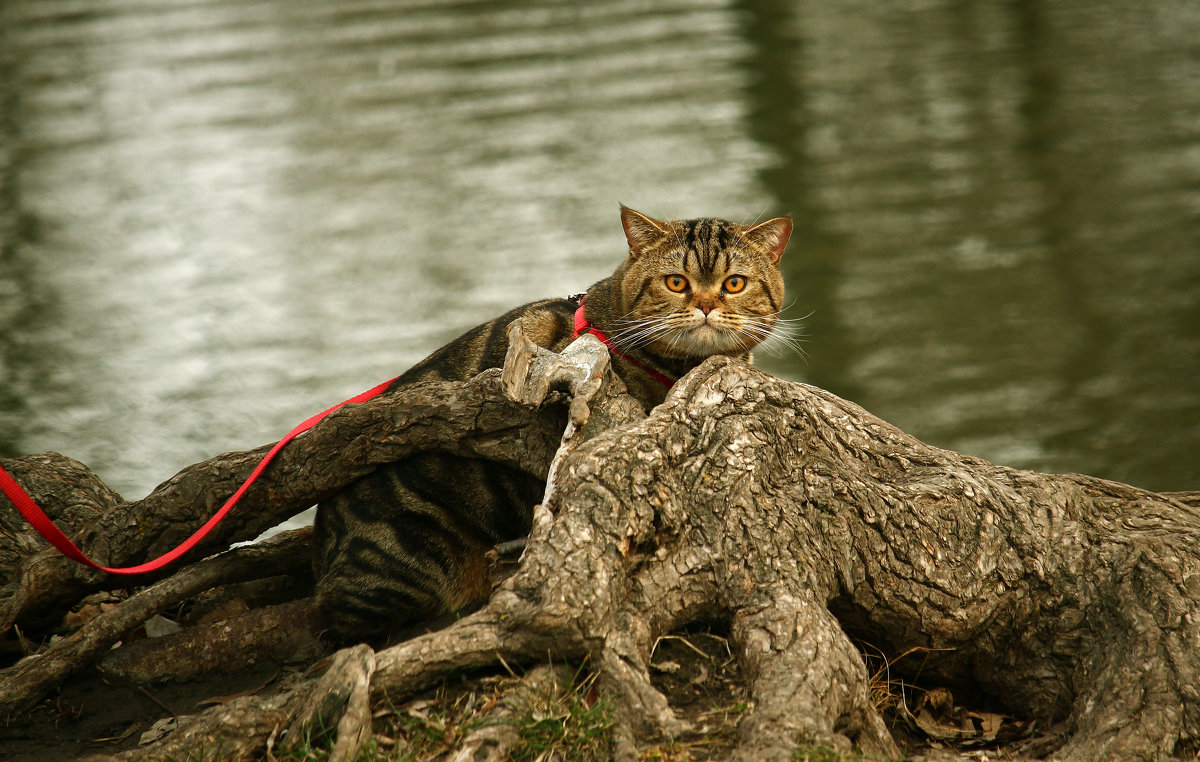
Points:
[(989, 724), (76, 619), (158, 625), (940, 700), (934, 729), (158, 730), (122, 735)]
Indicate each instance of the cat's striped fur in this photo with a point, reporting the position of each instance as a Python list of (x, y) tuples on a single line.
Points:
[(406, 542)]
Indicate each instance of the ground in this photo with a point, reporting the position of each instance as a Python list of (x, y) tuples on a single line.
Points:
[(93, 714), (98, 714)]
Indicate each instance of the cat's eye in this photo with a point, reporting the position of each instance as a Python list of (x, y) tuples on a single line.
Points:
[(677, 283), (734, 284)]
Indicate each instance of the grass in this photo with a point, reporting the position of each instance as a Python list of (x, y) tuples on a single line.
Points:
[(567, 718), (573, 725), (570, 721), (826, 754), (817, 754)]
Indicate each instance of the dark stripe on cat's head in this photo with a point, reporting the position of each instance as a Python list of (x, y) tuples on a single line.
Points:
[(709, 241)]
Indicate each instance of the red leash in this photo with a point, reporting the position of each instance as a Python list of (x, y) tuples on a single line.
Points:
[(46, 528), (42, 523)]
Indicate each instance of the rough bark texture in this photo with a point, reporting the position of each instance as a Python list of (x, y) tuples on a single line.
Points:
[(30, 679), (340, 708), (74, 497), (280, 633), (237, 730), (798, 521), (796, 516), (475, 419)]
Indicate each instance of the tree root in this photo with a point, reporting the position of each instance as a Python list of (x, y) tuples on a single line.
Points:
[(237, 730), (797, 521), (28, 681), (474, 418), (784, 638), (73, 496), (280, 633), (338, 708)]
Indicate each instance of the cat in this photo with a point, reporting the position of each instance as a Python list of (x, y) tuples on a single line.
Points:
[(407, 542)]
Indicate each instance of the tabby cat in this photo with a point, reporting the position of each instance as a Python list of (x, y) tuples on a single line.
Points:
[(407, 541)]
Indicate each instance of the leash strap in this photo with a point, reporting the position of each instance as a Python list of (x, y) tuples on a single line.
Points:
[(582, 326), (47, 528)]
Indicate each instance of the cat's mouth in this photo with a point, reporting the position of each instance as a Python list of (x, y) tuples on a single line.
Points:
[(696, 335), (710, 337)]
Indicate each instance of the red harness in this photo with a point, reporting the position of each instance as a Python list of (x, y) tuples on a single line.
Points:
[(582, 326)]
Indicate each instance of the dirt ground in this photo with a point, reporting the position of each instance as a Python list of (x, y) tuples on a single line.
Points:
[(94, 713)]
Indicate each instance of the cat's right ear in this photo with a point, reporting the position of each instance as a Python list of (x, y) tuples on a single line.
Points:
[(640, 231), (772, 235)]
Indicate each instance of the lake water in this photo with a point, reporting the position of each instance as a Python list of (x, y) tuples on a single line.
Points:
[(219, 216)]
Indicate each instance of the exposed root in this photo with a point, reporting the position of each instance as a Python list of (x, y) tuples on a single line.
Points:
[(27, 682), (234, 731), (281, 633), (475, 419), (338, 707), (807, 681), (797, 520)]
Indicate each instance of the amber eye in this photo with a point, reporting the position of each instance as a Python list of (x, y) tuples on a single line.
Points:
[(677, 283), (734, 284)]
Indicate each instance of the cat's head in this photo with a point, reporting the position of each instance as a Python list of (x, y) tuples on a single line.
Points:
[(694, 288)]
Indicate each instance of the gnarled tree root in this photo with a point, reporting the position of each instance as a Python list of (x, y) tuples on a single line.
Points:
[(796, 517), (798, 521), (474, 419), (28, 681), (286, 632)]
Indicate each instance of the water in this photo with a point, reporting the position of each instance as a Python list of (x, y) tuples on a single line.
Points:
[(219, 216)]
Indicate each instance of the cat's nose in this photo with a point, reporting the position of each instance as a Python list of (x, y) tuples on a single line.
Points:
[(705, 305)]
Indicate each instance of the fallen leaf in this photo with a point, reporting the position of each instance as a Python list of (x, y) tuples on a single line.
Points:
[(940, 700), (76, 619), (934, 729), (990, 723), (158, 730)]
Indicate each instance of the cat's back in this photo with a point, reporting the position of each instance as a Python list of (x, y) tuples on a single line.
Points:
[(407, 541), (549, 323)]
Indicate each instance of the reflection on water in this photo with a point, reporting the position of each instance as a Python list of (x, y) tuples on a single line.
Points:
[(218, 216), (1004, 202)]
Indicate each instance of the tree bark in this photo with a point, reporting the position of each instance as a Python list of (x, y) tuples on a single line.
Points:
[(475, 419), (30, 679), (799, 522), (797, 517)]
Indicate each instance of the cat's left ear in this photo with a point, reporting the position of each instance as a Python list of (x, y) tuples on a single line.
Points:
[(640, 231), (772, 235)]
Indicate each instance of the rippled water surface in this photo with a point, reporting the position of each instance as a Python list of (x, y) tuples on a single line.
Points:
[(219, 216)]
